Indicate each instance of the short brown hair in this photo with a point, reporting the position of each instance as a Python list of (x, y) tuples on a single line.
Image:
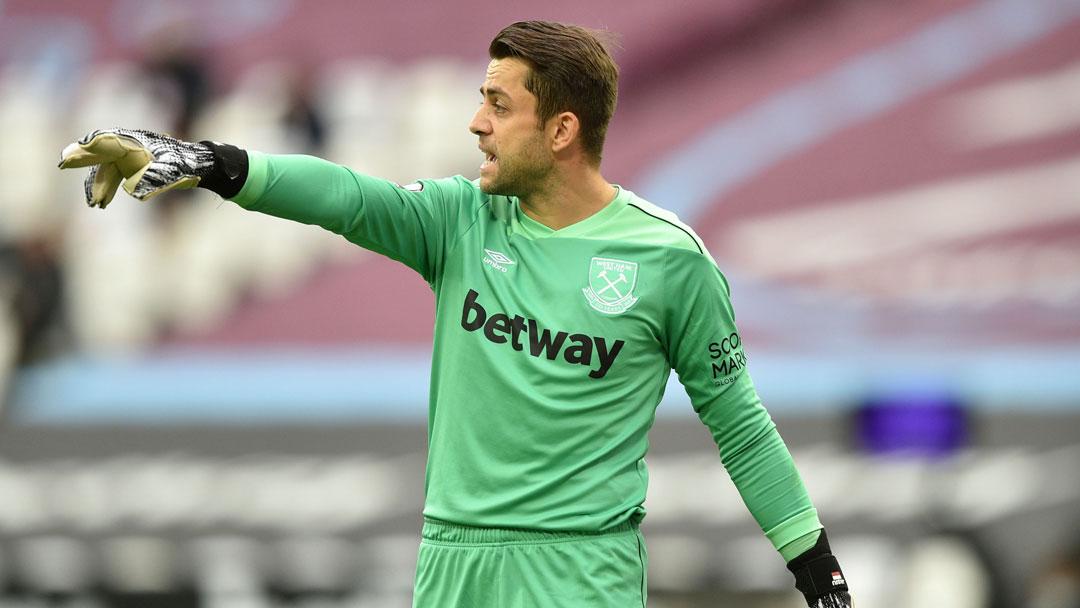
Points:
[(570, 70)]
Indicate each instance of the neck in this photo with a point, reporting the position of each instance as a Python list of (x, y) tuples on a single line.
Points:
[(567, 199)]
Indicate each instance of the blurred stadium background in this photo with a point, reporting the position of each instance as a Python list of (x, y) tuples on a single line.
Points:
[(206, 407)]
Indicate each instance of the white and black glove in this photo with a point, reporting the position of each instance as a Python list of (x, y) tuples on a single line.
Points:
[(149, 163), (819, 578)]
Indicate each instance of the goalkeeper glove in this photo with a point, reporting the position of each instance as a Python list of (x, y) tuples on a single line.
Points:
[(151, 163), (819, 578)]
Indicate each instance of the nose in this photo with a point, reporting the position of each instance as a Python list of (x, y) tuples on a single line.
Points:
[(479, 125)]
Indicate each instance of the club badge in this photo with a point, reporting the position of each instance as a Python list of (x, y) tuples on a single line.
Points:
[(611, 285)]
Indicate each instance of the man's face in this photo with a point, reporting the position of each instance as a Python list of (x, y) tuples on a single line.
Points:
[(517, 160)]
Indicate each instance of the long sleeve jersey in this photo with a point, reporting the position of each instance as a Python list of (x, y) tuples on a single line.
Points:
[(552, 348)]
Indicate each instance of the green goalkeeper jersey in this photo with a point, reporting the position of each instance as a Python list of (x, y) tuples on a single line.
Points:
[(553, 347)]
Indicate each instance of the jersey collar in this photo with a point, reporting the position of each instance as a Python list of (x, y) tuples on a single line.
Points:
[(533, 229)]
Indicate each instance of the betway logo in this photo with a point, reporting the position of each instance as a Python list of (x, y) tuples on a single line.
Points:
[(501, 328)]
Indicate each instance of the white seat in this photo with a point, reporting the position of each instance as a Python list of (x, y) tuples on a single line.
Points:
[(54, 564)]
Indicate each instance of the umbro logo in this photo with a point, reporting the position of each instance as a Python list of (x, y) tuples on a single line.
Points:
[(497, 260)]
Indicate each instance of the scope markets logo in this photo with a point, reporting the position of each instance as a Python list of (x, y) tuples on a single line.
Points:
[(728, 359)]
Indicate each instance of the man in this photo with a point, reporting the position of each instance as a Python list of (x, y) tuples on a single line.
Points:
[(562, 304)]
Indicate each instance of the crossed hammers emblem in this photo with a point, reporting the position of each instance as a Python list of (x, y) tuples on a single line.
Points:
[(611, 284)]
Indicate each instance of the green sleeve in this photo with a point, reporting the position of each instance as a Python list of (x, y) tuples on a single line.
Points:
[(706, 351), (414, 225)]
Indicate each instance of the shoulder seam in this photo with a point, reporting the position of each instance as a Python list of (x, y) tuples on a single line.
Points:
[(684, 230), (457, 239), (476, 218)]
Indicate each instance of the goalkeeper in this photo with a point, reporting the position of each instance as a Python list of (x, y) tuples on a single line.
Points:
[(563, 302)]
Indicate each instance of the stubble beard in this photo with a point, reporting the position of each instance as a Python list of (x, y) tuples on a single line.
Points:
[(521, 176)]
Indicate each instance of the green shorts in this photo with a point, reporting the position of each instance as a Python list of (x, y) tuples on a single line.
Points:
[(493, 568)]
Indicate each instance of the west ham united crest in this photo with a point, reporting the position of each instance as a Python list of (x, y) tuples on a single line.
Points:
[(611, 285)]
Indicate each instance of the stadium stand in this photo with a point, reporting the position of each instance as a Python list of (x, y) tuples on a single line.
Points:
[(890, 188)]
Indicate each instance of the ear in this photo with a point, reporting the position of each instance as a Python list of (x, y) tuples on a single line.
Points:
[(563, 129)]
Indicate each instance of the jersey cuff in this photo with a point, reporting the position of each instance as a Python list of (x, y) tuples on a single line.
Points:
[(800, 545), (793, 528), (257, 177)]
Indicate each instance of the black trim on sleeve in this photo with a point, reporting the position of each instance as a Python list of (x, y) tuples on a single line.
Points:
[(692, 238), (230, 170)]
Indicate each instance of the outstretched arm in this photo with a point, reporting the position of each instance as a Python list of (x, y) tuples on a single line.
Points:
[(413, 225)]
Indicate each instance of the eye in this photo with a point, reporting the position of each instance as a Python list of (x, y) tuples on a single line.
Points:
[(499, 108)]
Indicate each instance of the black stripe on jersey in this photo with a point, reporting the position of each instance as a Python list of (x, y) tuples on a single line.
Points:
[(688, 233)]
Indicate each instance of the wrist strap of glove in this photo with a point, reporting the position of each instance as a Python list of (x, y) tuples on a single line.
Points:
[(817, 572), (230, 170)]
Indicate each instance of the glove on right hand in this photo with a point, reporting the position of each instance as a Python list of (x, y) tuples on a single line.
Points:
[(148, 163)]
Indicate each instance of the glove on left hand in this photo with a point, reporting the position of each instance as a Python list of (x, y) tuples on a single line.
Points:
[(148, 163), (836, 599), (819, 578)]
